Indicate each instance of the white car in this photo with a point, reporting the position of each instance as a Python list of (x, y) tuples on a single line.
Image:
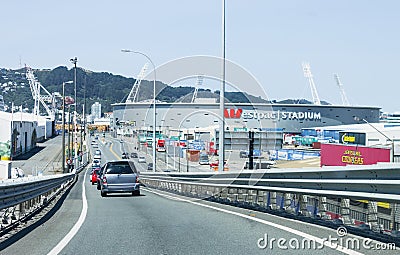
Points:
[(142, 159), (97, 157), (97, 152), (96, 163)]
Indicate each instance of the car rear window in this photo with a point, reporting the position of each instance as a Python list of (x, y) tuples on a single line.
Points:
[(120, 169)]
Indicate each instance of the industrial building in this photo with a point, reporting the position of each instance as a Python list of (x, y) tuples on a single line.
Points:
[(19, 134)]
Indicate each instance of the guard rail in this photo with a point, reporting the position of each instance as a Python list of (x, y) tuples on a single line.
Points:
[(340, 195)]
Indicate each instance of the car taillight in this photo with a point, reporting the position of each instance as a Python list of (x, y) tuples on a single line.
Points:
[(137, 179), (104, 180)]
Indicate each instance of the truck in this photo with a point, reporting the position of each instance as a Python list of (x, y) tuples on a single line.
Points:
[(161, 145)]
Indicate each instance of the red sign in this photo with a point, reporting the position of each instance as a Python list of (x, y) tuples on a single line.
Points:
[(342, 155), (232, 114)]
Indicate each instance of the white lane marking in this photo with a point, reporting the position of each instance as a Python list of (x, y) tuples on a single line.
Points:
[(321, 241), (58, 248)]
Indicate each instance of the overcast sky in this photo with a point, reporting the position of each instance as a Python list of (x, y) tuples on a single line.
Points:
[(358, 39)]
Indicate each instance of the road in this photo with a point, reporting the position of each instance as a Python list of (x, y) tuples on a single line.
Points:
[(162, 223), (45, 158)]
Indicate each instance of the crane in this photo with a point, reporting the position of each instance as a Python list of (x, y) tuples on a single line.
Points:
[(133, 95), (342, 93), (46, 99), (308, 74)]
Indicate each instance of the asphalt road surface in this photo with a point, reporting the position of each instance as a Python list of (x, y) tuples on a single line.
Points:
[(162, 223)]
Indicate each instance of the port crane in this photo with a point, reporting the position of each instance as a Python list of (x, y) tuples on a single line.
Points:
[(48, 100)]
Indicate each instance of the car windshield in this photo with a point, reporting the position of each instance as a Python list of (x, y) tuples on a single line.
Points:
[(120, 169)]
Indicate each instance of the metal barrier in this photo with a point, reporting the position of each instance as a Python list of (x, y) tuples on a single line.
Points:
[(22, 197), (329, 196)]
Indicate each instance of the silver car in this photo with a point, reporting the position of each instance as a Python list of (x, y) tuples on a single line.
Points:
[(119, 177)]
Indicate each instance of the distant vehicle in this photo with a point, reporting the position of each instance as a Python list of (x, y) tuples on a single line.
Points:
[(203, 160), (150, 166), (94, 176), (161, 145), (142, 159), (264, 164), (97, 157), (121, 141), (245, 154), (125, 155), (215, 164), (97, 152), (134, 155), (96, 163), (119, 177)]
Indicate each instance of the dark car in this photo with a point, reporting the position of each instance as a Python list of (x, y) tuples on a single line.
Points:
[(134, 155), (119, 177), (150, 166), (125, 155)]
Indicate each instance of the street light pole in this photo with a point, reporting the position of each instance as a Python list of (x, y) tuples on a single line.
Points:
[(380, 132), (69, 137), (393, 206), (63, 126), (74, 134), (221, 152), (154, 105)]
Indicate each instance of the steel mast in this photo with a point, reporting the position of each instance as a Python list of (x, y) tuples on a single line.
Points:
[(308, 74), (342, 93)]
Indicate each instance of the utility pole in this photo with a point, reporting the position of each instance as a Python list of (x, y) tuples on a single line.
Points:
[(75, 141), (251, 149)]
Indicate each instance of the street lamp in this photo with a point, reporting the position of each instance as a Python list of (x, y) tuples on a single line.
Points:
[(74, 134), (63, 125), (222, 95), (154, 104), (380, 132)]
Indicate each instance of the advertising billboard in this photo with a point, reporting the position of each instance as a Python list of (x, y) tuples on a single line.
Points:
[(352, 138), (342, 155)]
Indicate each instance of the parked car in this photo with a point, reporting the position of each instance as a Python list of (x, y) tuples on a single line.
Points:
[(134, 155), (119, 177), (142, 159), (150, 166)]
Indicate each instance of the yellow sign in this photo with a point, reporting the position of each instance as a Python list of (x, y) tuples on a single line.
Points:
[(352, 157), (349, 139)]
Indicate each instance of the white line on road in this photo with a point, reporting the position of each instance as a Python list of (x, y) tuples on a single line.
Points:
[(284, 228), (58, 248)]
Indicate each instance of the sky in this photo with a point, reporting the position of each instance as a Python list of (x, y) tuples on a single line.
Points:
[(357, 39)]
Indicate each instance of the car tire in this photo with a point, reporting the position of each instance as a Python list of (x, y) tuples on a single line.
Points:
[(103, 194), (92, 183), (98, 186), (136, 193)]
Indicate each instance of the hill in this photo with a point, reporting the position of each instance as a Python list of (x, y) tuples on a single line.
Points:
[(105, 88)]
